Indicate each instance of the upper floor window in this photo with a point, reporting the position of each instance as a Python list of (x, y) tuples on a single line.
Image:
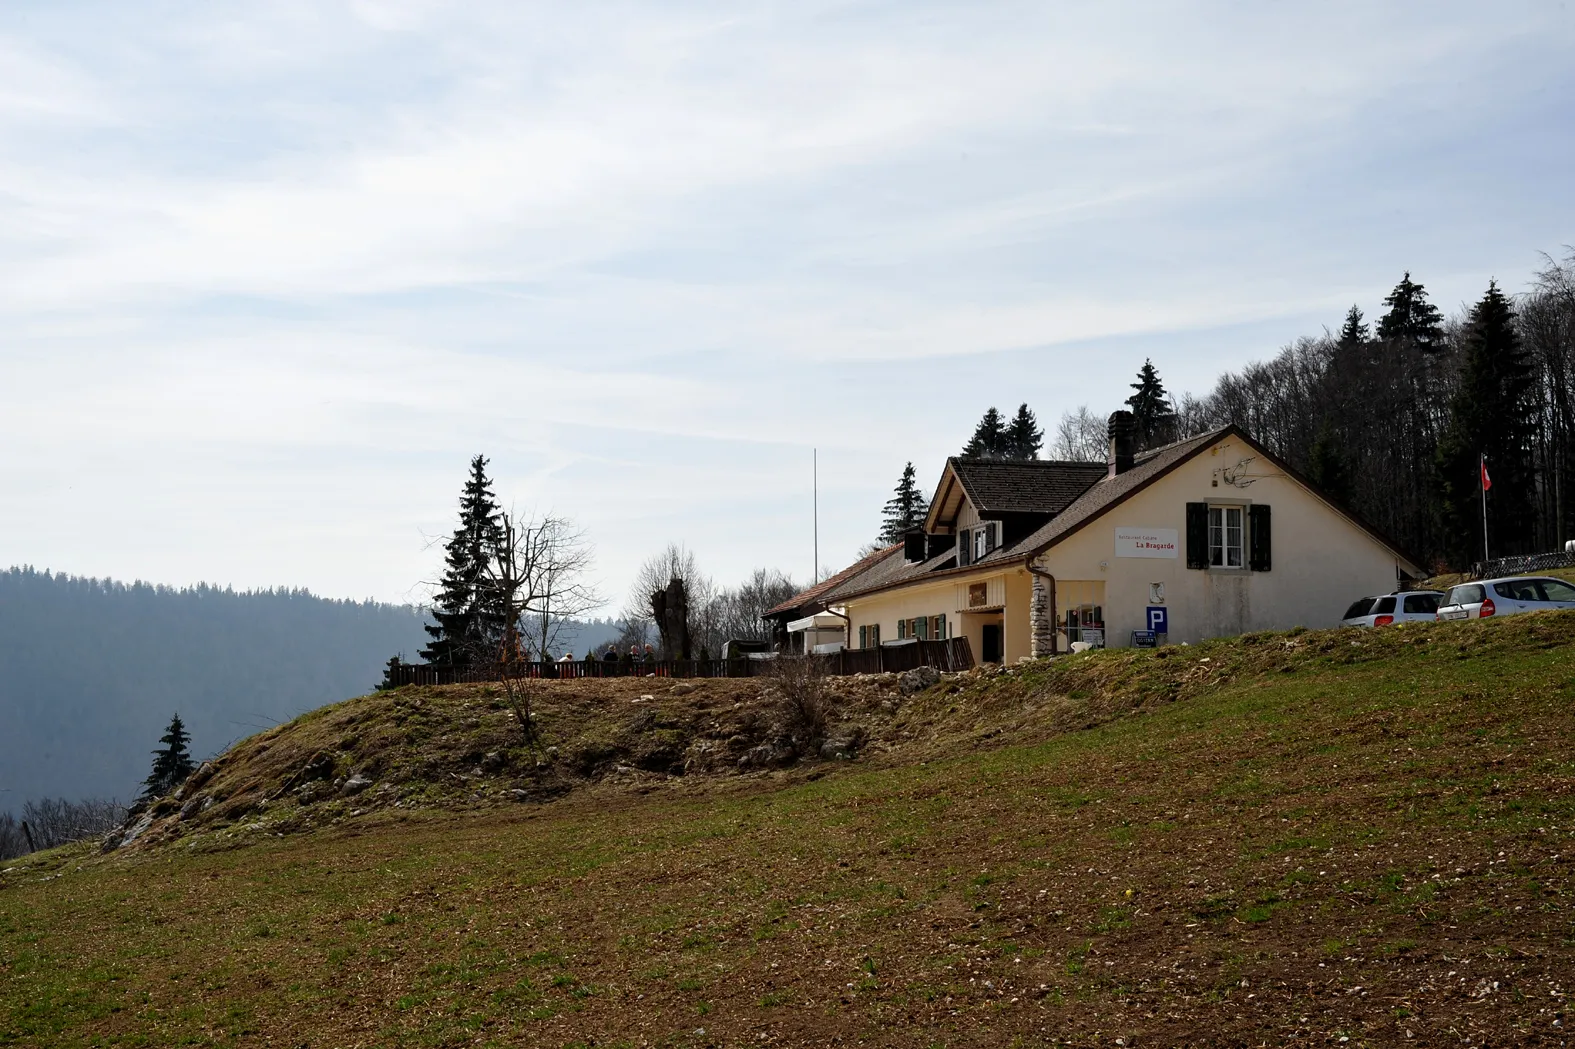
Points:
[(1226, 536)]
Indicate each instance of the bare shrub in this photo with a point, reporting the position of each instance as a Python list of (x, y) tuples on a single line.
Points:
[(805, 701), (56, 821)]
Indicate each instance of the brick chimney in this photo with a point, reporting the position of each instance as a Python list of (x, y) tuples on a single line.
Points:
[(1123, 442)]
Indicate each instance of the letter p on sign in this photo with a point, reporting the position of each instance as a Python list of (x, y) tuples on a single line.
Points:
[(1158, 619)]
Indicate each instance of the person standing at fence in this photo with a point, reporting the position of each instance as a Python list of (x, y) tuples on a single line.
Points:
[(650, 654), (611, 655)]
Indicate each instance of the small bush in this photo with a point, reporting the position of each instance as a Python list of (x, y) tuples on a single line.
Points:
[(804, 697)]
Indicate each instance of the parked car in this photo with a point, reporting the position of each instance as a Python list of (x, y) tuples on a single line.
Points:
[(1506, 597), (1408, 606)]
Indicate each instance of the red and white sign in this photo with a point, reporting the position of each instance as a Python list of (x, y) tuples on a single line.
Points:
[(1147, 542)]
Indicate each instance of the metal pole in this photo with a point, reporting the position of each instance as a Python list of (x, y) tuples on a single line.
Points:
[(814, 482), (1482, 477)]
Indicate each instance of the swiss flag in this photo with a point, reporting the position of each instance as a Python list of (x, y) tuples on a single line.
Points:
[(1487, 482)]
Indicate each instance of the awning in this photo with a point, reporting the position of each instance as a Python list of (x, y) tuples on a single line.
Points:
[(818, 621)]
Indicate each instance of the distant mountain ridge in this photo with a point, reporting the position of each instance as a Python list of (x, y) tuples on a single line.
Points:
[(92, 669)]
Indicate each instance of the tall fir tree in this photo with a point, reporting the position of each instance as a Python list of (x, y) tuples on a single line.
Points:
[(171, 763), (1023, 436), (989, 437), (1354, 331), (1327, 466), (1492, 416), (1411, 318), (469, 620), (1151, 408), (905, 510)]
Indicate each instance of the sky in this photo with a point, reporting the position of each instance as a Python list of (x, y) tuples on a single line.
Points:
[(270, 274)]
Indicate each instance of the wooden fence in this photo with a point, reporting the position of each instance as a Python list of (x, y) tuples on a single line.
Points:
[(950, 656), (437, 674)]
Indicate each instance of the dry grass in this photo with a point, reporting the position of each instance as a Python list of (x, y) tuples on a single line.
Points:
[(1314, 837)]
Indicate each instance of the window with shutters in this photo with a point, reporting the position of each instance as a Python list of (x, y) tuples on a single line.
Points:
[(984, 539), (1227, 535)]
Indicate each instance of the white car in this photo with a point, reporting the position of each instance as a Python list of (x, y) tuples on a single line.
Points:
[(1410, 606), (1506, 597)]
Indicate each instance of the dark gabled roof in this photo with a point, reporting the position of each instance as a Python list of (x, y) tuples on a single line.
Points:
[(1150, 466), (815, 595), (1044, 487), (888, 573)]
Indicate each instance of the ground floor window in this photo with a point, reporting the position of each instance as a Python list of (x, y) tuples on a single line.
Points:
[(869, 636), (1225, 536)]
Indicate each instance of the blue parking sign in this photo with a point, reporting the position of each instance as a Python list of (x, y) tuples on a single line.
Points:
[(1158, 619)]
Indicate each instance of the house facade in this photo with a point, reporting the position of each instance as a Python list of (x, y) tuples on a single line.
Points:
[(1208, 537)]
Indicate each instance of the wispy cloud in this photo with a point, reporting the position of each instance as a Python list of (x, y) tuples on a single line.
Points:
[(645, 255)]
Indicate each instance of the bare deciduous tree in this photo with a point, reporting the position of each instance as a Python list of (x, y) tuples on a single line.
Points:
[(535, 574), (1079, 437), (51, 822)]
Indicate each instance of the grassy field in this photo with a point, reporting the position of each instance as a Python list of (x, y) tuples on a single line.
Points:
[(1349, 838)]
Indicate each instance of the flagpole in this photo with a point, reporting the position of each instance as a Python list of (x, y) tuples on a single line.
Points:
[(1482, 479), (814, 475)]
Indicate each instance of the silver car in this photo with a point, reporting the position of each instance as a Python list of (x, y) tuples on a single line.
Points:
[(1411, 606), (1506, 597)]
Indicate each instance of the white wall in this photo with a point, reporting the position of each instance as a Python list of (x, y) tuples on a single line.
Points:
[(1321, 561)]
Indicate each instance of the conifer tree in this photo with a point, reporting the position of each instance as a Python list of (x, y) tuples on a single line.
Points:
[(171, 764), (1327, 467), (1411, 318), (1023, 435), (1151, 408), (905, 510), (989, 437), (1354, 331), (1492, 416), (469, 622)]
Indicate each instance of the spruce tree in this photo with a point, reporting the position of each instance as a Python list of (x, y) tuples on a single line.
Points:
[(1151, 408), (905, 510), (1327, 467), (171, 764), (989, 437), (1023, 435), (469, 620), (1492, 415), (1411, 318), (1354, 331)]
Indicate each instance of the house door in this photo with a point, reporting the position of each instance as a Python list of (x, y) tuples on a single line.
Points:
[(991, 643)]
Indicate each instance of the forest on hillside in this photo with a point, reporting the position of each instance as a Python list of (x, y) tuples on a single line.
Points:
[(95, 668)]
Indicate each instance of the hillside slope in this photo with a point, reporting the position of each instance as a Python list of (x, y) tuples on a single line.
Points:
[(1322, 836)]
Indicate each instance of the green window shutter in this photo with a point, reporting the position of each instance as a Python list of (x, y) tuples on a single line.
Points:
[(924, 628), (964, 548), (942, 635), (1197, 535), (864, 637), (1260, 559), (902, 629)]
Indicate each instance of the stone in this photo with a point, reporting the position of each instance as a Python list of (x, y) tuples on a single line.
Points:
[(917, 680), (843, 743), (126, 835), (191, 808), (356, 784), (316, 790), (493, 761), (682, 689), (767, 756)]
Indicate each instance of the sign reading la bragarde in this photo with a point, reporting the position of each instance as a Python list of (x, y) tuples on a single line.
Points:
[(1146, 542)]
